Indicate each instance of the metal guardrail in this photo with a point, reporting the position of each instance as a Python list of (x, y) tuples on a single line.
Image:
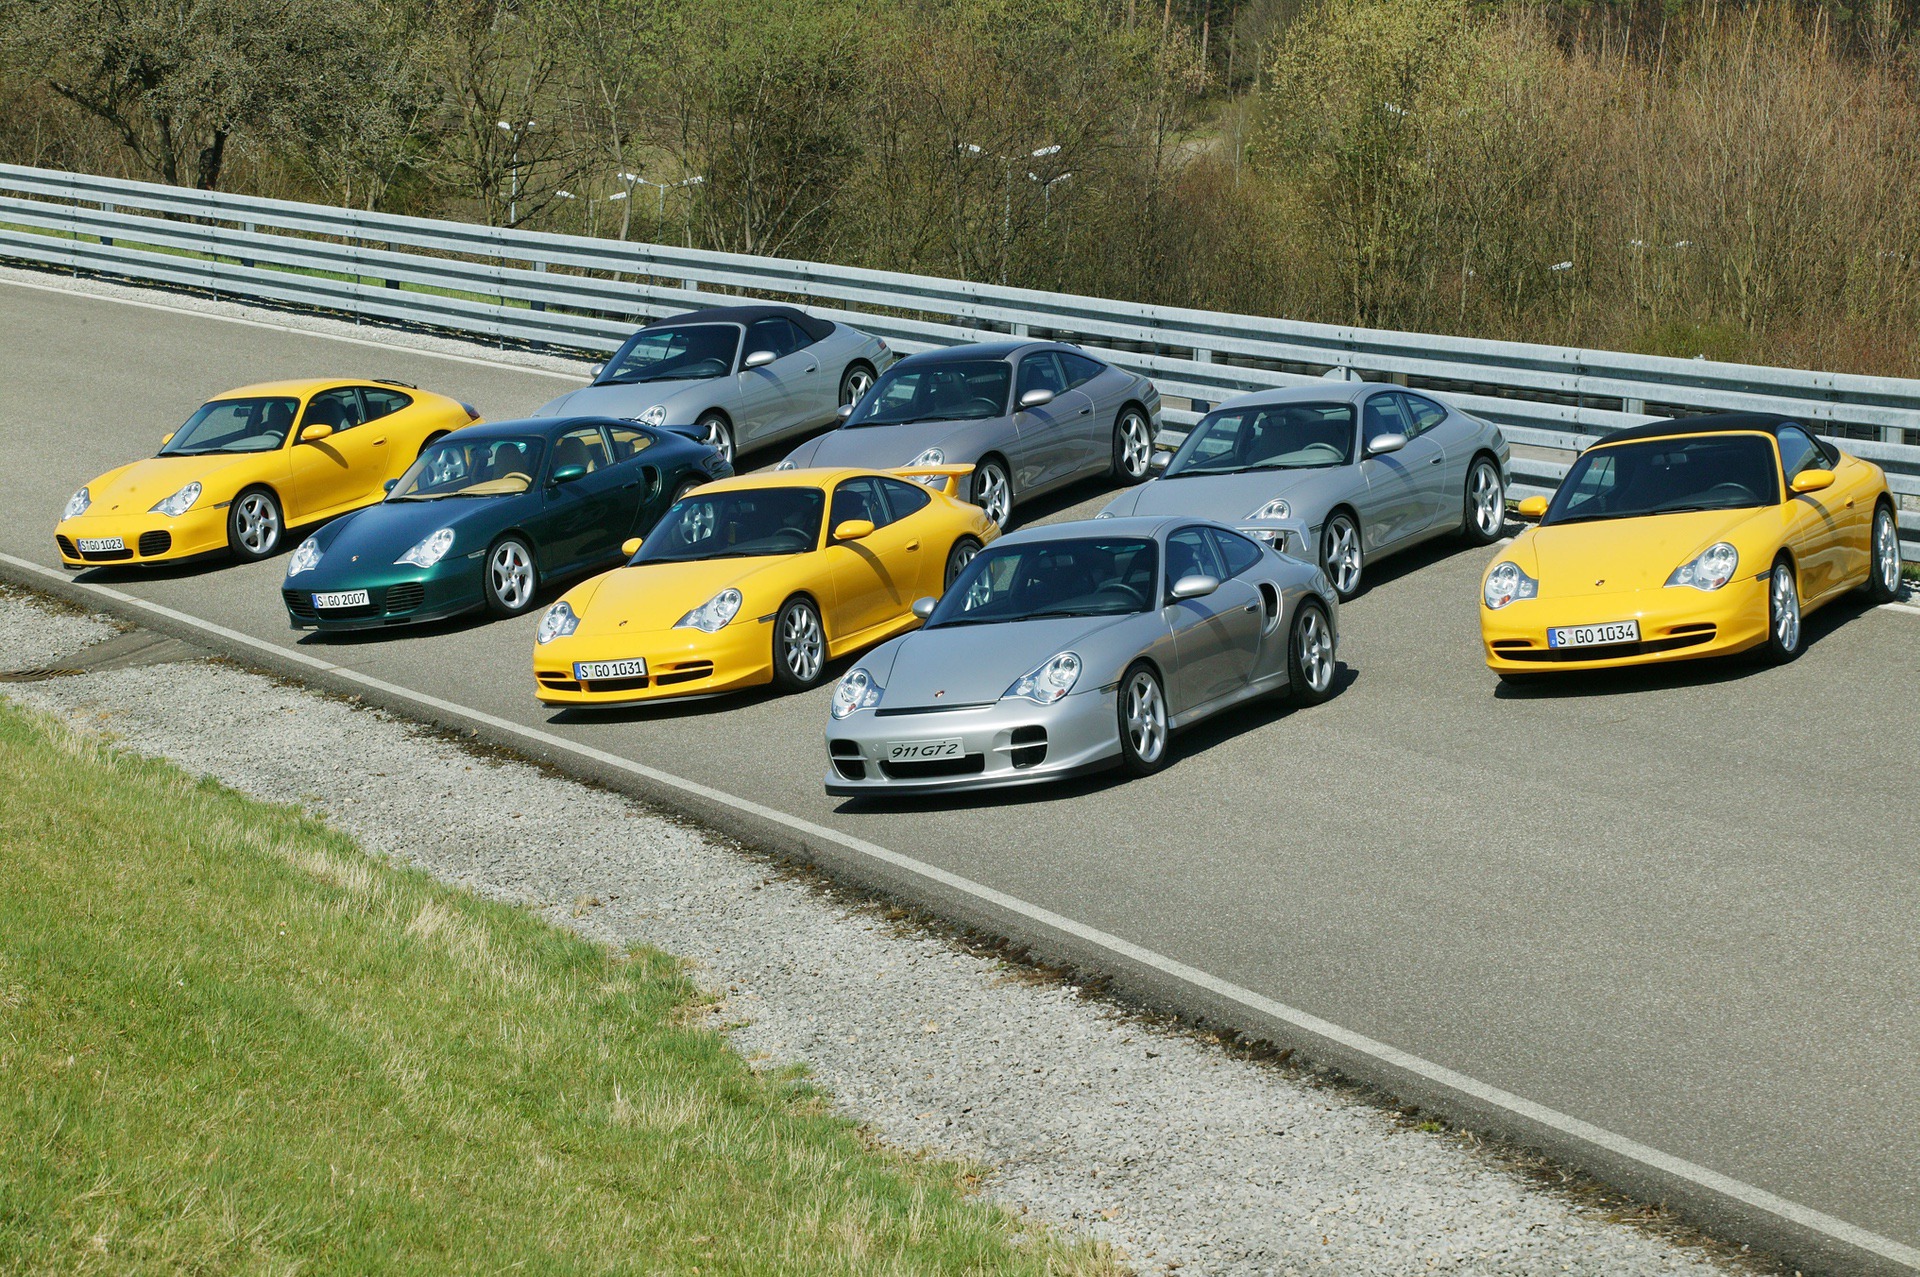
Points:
[(587, 294)]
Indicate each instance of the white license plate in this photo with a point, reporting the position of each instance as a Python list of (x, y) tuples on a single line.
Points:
[(95, 545), (342, 598), (590, 671), (1594, 635), (922, 751)]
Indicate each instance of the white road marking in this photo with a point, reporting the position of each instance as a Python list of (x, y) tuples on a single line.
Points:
[(1436, 1074), (298, 332)]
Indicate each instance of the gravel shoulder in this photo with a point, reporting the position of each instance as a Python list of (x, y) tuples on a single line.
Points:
[(1159, 1141)]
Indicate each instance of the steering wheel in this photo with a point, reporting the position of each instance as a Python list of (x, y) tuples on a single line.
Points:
[(1728, 490), (703, 368), (981, 406), (1121, 587)]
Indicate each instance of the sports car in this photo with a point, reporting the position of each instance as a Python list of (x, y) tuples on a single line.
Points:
[(1077, 646), (486, 515), (745, 375), (1683, 539), (1368, 469), (239, 474), (760, 579), (1027, 416)]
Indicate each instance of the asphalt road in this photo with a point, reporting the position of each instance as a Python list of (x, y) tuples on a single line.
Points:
[(1679, 905)]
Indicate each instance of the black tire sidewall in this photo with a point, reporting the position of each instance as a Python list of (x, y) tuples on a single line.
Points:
[(240, 551), (846, 378), (1131, 762), (1298, 691), (950, 575), (494, 604), (782, 678)]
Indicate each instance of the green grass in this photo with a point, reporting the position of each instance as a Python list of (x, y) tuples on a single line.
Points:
[(229, 1040)]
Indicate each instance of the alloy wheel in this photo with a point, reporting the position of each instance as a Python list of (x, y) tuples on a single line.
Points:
[(510, 572), (859, 381), (963, 554), (259, 523), (992, 493), (1886, 544), (1786, 609), (1316, 652), (719, 438), (1343, 555), (1146, 717), (803, 643), (1489, 501), (1136, 445)]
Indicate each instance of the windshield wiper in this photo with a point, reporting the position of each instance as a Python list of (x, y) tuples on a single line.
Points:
[(1051, 612), (912, 421), (635, 381)]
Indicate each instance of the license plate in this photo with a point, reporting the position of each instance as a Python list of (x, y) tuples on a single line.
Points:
[(921, 751), (591, 671), (1594, 635), (95, 545), (342, 598)]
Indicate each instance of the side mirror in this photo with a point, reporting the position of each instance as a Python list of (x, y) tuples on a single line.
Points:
[(846, 410), (1812, 481), (593, 373), (167, 438), (630, 546), (1195, 587), (1380, 445), (923, 608), (853, 530), (390, 485), (1036, 399), (567, 474), (1533, 507), (1160, 460), (315, 432), (759, 359)]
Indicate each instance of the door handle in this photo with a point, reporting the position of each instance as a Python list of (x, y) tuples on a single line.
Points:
[(629, 487), (1251, 607), (913, 545), (382, 439), (1436, 461), (1084, 412)]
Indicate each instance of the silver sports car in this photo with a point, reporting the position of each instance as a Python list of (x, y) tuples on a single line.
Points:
[(745, 375), (1367, 469), (1028, 416), (1069, 647)]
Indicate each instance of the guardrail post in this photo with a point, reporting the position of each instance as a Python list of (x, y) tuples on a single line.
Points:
[(1202, 356), (537, 303), (105, 208), (247, 261), (1634, 405), (392, 283)]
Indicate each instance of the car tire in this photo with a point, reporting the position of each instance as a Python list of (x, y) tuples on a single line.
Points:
[(799, 646), (1786, 627), (957, 559), (1342, 557), (855, 382), (256, 525), (687, 486), (1883, 556), (992, 490), (509, 577), (1310, 656), (717, 433), (1132, 446), (1142, 710), (1484, 516)]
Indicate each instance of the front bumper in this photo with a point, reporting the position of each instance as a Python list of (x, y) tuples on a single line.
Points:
[(148, 537), (427, 594), (1010, 742), (1676, 624), (685, 662)]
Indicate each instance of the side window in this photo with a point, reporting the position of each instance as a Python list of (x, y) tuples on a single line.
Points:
[(1799, 452), (1384, 416), (1426, 414), (337, 408), (585, 448), (1080, 369), (382, 402), (1039, 372), (903, 499), (776, 335), (1190, 552), (797, 338), (1596, 485), (628, 441), (858, 499), (1238, 553)]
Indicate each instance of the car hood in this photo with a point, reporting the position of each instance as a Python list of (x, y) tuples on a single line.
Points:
[(1229, 498), (652, 596), (886, 447), (619, 401), (976, 664), (379, 534), (132, 489), (1608, 556)]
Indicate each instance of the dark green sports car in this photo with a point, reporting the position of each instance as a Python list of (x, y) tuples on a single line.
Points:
[(487, 514)]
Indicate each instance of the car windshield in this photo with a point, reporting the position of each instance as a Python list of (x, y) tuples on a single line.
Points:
[(234, 425), (1081, 576), (484, 467), (938, 390), (677, 352), (734, 524), (1667, 476), (1289, 436)]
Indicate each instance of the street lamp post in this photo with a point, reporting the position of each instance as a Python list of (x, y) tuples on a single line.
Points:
[(660, 210), (1006, 197), (514, 131)]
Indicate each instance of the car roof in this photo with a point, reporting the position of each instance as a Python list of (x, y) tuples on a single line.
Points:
[(296, 386), (812, 477), (1153, 526), (977, 350), (1325, 391), (547, 427), (813, 327), (1770, 423)]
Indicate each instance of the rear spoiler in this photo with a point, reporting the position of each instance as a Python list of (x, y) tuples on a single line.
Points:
[(1290, 537), (944, 479)]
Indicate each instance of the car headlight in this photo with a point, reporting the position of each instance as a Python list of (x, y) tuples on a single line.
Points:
[(1274, 509), (305, 557), (1710, 569), (559, 622), (77, 504), (177, 504), (1053, 679), (857, 691), (430, 551), (712, 614), (1506, 583), (655, 416), (931, 457), (788, 464)]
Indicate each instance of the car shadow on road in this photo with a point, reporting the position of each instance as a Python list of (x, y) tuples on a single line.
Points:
[(1386, 571)]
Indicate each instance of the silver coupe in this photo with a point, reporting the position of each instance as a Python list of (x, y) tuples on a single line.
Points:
[(1367, 469), (1070, 647), (746, 376), (1027, 416)]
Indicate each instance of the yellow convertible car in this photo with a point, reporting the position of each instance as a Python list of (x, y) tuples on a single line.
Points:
[(1690, 538), (761, 579), (238, 474)]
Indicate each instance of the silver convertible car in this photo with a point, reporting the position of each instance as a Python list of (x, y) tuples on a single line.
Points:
[(1066, 648), (1027, 416), (745, 375), (1367, 469)]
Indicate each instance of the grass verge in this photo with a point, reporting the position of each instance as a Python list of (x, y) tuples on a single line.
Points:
[(231, 1040)]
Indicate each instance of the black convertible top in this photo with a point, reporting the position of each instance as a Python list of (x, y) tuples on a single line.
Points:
[(1712, 423), (813, 328)]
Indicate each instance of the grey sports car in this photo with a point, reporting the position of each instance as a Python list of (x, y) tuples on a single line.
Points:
[(1028, 416), (1070, 647), (745, 375), (1367, 469)]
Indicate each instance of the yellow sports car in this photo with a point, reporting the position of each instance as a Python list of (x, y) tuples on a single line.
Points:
[(759, 579), (1691, 538), (238, 474)]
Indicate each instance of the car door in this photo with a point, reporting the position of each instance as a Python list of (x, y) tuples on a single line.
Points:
[(1820, 524), (344, 469), (1048, 439), (783, 393), (577, 516), (1453, 435), (1264, 642), (874, 577), (641, 484), (906, 510), (1399, 499), (1216, 637), (1105, 389)]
